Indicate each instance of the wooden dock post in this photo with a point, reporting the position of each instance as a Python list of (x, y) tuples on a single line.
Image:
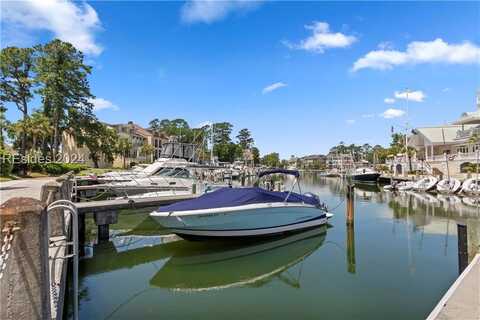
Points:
[(103, 221), (350, 204), (462, 247), (25, 281), (351, 261)]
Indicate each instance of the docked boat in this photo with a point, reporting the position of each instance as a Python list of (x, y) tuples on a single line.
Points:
[(160, 166), (449, 185), (244, 212), (425, 184), (169, 178), (365, 175), (471, 187), (399, 186)]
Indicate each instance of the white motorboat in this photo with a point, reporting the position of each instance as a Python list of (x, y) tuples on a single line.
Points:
[(169, 178), (471, 187), (157, 167), (399, 186), (449, 185), (243, 212), (365, 175), (425, 184)]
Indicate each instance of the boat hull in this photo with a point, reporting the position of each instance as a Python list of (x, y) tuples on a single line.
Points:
[(243, 221), (366, 177)]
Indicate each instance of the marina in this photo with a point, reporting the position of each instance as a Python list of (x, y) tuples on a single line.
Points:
[(395, 240), (204, 159)]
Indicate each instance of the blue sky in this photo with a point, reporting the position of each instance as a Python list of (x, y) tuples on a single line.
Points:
[(302, 76)]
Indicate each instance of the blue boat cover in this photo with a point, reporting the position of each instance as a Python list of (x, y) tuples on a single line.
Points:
[(284, 171), (232, 197)]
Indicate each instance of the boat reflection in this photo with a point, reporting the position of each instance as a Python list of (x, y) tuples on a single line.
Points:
[(214, 266)]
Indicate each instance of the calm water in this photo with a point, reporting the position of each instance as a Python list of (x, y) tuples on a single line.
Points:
[(398, 261)]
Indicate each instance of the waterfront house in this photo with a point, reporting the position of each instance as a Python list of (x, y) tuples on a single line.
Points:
[(456, 143)]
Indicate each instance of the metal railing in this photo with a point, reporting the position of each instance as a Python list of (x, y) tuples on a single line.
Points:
[(70, 207)]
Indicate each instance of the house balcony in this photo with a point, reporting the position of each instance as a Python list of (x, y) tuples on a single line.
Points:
[(470, 157)]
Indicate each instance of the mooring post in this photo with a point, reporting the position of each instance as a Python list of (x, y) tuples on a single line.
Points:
[(462, 247), (103, 221), (81, 234), (351, 263), (25, 281), (350, 203)]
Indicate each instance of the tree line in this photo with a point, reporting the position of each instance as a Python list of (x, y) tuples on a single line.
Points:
[(48, 85)]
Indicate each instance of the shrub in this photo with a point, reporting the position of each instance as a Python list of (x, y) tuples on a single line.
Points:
[(56, 169), (6, 164)]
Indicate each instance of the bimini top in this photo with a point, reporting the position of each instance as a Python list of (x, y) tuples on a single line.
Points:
[(284, 171), (232, 197)]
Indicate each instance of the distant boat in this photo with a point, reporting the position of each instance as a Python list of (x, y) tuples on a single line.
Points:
[(399, 186), (425, 184), (365, 175), (243, 212), (449, 185), (471, 187)]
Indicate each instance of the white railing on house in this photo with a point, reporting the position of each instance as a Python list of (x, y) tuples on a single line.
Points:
[(470, 156)]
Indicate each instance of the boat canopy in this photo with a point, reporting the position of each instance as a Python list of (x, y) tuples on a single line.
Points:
[(284, 171), (233, 197)]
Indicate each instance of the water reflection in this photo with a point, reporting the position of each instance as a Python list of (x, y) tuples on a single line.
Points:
[(227, 265)]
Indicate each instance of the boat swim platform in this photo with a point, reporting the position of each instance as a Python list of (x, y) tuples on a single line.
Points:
[(462, 300), (120, 204)]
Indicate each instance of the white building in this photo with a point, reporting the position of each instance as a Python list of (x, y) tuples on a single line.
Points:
[(435, 145)]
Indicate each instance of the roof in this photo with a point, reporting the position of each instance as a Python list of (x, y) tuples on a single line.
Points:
[(440, 134), (469, 118)]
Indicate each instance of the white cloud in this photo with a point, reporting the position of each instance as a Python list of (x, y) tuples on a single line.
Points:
[(436, 51), (392, 113), (68, 21), (102, 104), (417, 96), (208, 11), (446, 90), (389, 100), (273, 86), (322, 38), (368, 115), (350, 121)]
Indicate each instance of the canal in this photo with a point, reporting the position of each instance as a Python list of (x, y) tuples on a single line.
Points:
[(396, 263)]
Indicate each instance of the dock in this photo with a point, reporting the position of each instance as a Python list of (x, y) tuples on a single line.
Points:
[(462, 300)]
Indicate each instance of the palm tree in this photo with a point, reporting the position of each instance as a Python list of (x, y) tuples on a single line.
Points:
[(123, 148), (147, 150)]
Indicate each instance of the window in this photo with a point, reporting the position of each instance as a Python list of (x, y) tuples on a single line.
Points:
[(462, 149), (476, 148)]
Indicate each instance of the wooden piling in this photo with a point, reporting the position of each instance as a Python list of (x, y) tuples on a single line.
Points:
[(25, 284), (103, 222), (350, 197), (462, 247), (351, 261)]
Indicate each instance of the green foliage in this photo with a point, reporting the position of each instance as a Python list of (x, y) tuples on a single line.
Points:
[(123, 148), (56, 169), (256, 155), (100, 141), (64, 88), (271, 160), (6, 164), (16, 81), (245, 139)]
